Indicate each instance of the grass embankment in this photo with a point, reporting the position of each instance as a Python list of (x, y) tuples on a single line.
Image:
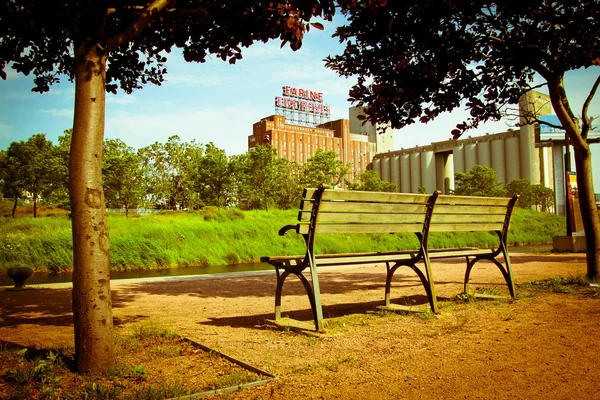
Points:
[(224, 237)]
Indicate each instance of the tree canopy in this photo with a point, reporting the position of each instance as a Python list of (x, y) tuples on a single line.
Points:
[(104, 45), (417, 59)]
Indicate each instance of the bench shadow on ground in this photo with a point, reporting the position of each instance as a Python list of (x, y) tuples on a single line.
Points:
[(258, 321)]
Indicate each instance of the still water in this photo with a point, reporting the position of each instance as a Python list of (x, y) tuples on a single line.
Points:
[(43, 278)]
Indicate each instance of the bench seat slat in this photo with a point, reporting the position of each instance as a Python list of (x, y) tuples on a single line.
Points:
[(361, 228), (458, 253), (465, 227), (466, 218)]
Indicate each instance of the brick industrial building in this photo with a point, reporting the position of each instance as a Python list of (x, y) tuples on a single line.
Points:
[(301, 126)]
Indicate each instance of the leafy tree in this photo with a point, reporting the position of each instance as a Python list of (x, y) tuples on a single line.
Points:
[(416, 60), (10, 176), (214, 181), (30, 169), (480, 181), (530, 195), (123, 175), (543, 197), (103, 45), (261, 171), (290, 187), (171, 170), (59, 196), (522, 188), (324, 168), (371, 182)]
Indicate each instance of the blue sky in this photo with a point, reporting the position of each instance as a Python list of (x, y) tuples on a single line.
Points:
[(217, 102)]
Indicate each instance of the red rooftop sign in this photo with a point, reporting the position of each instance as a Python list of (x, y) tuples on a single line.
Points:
[(304, 100)]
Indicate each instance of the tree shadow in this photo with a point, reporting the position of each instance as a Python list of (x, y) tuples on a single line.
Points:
[(36, 307)]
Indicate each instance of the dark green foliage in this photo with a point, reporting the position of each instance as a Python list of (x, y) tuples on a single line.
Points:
[(538, 196), (371, 182), (480, 181)]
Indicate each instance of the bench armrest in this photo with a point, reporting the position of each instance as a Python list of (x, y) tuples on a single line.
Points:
[(286, 228)]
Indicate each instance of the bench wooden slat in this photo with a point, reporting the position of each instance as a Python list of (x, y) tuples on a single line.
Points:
[(472, 209), (464, 218), (361, 228), (465, 227), (472, 200), (379, 208), (370, 218), (382, 197), (458, 253), (371, 208)]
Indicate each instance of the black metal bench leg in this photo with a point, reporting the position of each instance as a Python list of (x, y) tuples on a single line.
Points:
[(278, 292)]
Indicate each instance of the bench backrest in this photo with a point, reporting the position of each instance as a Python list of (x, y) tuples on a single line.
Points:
[(345, 211), (466, 213)]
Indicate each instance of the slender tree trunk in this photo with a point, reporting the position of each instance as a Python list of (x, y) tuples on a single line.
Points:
[(583, 165), (14, 210), (589, 211), (35, 198), (92, 312)]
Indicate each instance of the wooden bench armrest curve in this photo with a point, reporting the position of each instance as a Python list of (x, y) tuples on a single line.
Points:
[(286, 228)]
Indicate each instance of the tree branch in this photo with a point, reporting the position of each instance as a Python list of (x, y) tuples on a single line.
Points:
[(136, 28), (584, 115)]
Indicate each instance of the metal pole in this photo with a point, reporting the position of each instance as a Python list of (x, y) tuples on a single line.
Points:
[(567, 169)]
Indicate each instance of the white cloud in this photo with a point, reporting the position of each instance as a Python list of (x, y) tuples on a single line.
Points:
[(227, 127), (196, 79), (121, 99), (6, 131), (63, 112)]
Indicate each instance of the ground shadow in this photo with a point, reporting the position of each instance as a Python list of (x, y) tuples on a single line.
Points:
[(258, 321), (21, 307)]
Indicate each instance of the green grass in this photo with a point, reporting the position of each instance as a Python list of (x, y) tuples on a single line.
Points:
[(224, 237)]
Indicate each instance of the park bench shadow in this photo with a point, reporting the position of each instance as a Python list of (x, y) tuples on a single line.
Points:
[(258, 321)]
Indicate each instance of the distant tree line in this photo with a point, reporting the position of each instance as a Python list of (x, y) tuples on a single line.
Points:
[(174, 175), (482, 181), (178, 175)]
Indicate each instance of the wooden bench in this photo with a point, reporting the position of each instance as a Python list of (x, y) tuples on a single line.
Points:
[(328, 211)]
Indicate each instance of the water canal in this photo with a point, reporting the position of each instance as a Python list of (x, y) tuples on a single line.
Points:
[(44, 278)]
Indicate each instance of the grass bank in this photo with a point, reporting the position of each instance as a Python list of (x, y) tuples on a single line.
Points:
[(223, 237)]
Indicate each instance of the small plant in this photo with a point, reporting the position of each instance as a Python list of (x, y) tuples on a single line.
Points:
[(489, 291), (137, 373), (506, 314), (427, 315), (468, 297)]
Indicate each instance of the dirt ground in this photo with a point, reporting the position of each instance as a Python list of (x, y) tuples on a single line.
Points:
[(543, 345)]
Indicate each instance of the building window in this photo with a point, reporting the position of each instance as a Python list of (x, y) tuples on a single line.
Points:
[(293, 146), (252, 139)]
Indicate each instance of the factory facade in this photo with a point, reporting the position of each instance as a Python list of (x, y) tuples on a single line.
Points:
[(301, 126)]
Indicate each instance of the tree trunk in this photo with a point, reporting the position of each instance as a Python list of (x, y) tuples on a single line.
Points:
[(589, 211), (583, 166), (14, 210), (35, 197), (94, 336)]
